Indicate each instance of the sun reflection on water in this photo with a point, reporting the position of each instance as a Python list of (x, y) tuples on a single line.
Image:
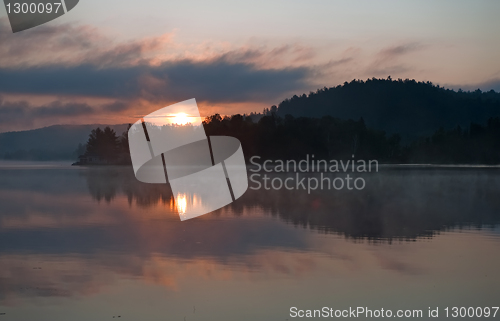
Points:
[(184, 203), (181, 203)]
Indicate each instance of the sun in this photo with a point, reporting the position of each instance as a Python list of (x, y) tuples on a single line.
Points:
[(180, 119)]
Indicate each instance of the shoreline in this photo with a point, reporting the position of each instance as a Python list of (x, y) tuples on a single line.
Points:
[(6, 163)]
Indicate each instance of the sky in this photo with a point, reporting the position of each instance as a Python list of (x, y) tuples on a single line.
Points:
[(114, 61)]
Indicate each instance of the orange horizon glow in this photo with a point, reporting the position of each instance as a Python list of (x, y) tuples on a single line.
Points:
[(180, 118), (177, 119)]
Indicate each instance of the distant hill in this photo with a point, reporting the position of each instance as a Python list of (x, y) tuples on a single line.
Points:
[(48, 143), (407, 107)]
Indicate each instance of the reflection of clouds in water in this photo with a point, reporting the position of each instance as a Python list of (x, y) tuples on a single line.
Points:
[(78, 275), (448, 259)]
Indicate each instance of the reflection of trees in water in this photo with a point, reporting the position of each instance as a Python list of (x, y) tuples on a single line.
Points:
[(103, 184), (397, 204), (106, 183), (394, 205)]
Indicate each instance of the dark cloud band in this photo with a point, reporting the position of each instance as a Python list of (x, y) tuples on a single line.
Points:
[(214, 81)]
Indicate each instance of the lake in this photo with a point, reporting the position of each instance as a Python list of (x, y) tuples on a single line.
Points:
[(82, 243)]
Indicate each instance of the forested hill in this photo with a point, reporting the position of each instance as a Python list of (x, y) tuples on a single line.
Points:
[(406, 107)]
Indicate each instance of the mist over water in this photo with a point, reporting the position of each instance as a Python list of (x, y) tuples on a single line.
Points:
[(95, 243)]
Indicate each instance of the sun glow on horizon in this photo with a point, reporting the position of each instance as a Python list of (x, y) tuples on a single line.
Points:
[(180, 119), (176, 119)]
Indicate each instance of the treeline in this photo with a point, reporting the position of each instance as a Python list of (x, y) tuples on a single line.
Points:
[(275, 137), (477, 144)]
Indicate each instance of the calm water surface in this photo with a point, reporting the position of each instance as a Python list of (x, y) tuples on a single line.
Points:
[(95, 244)]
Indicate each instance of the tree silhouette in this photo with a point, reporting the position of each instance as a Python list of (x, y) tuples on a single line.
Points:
[(103, 143)]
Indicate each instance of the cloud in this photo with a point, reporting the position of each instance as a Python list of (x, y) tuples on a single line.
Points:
[(22, 111), (57, 108), (387, 61), (277, 57), (399, 50), (212, 81), (15, 114), (389, 70), (70, 45), (217, 82), (80, 61)]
